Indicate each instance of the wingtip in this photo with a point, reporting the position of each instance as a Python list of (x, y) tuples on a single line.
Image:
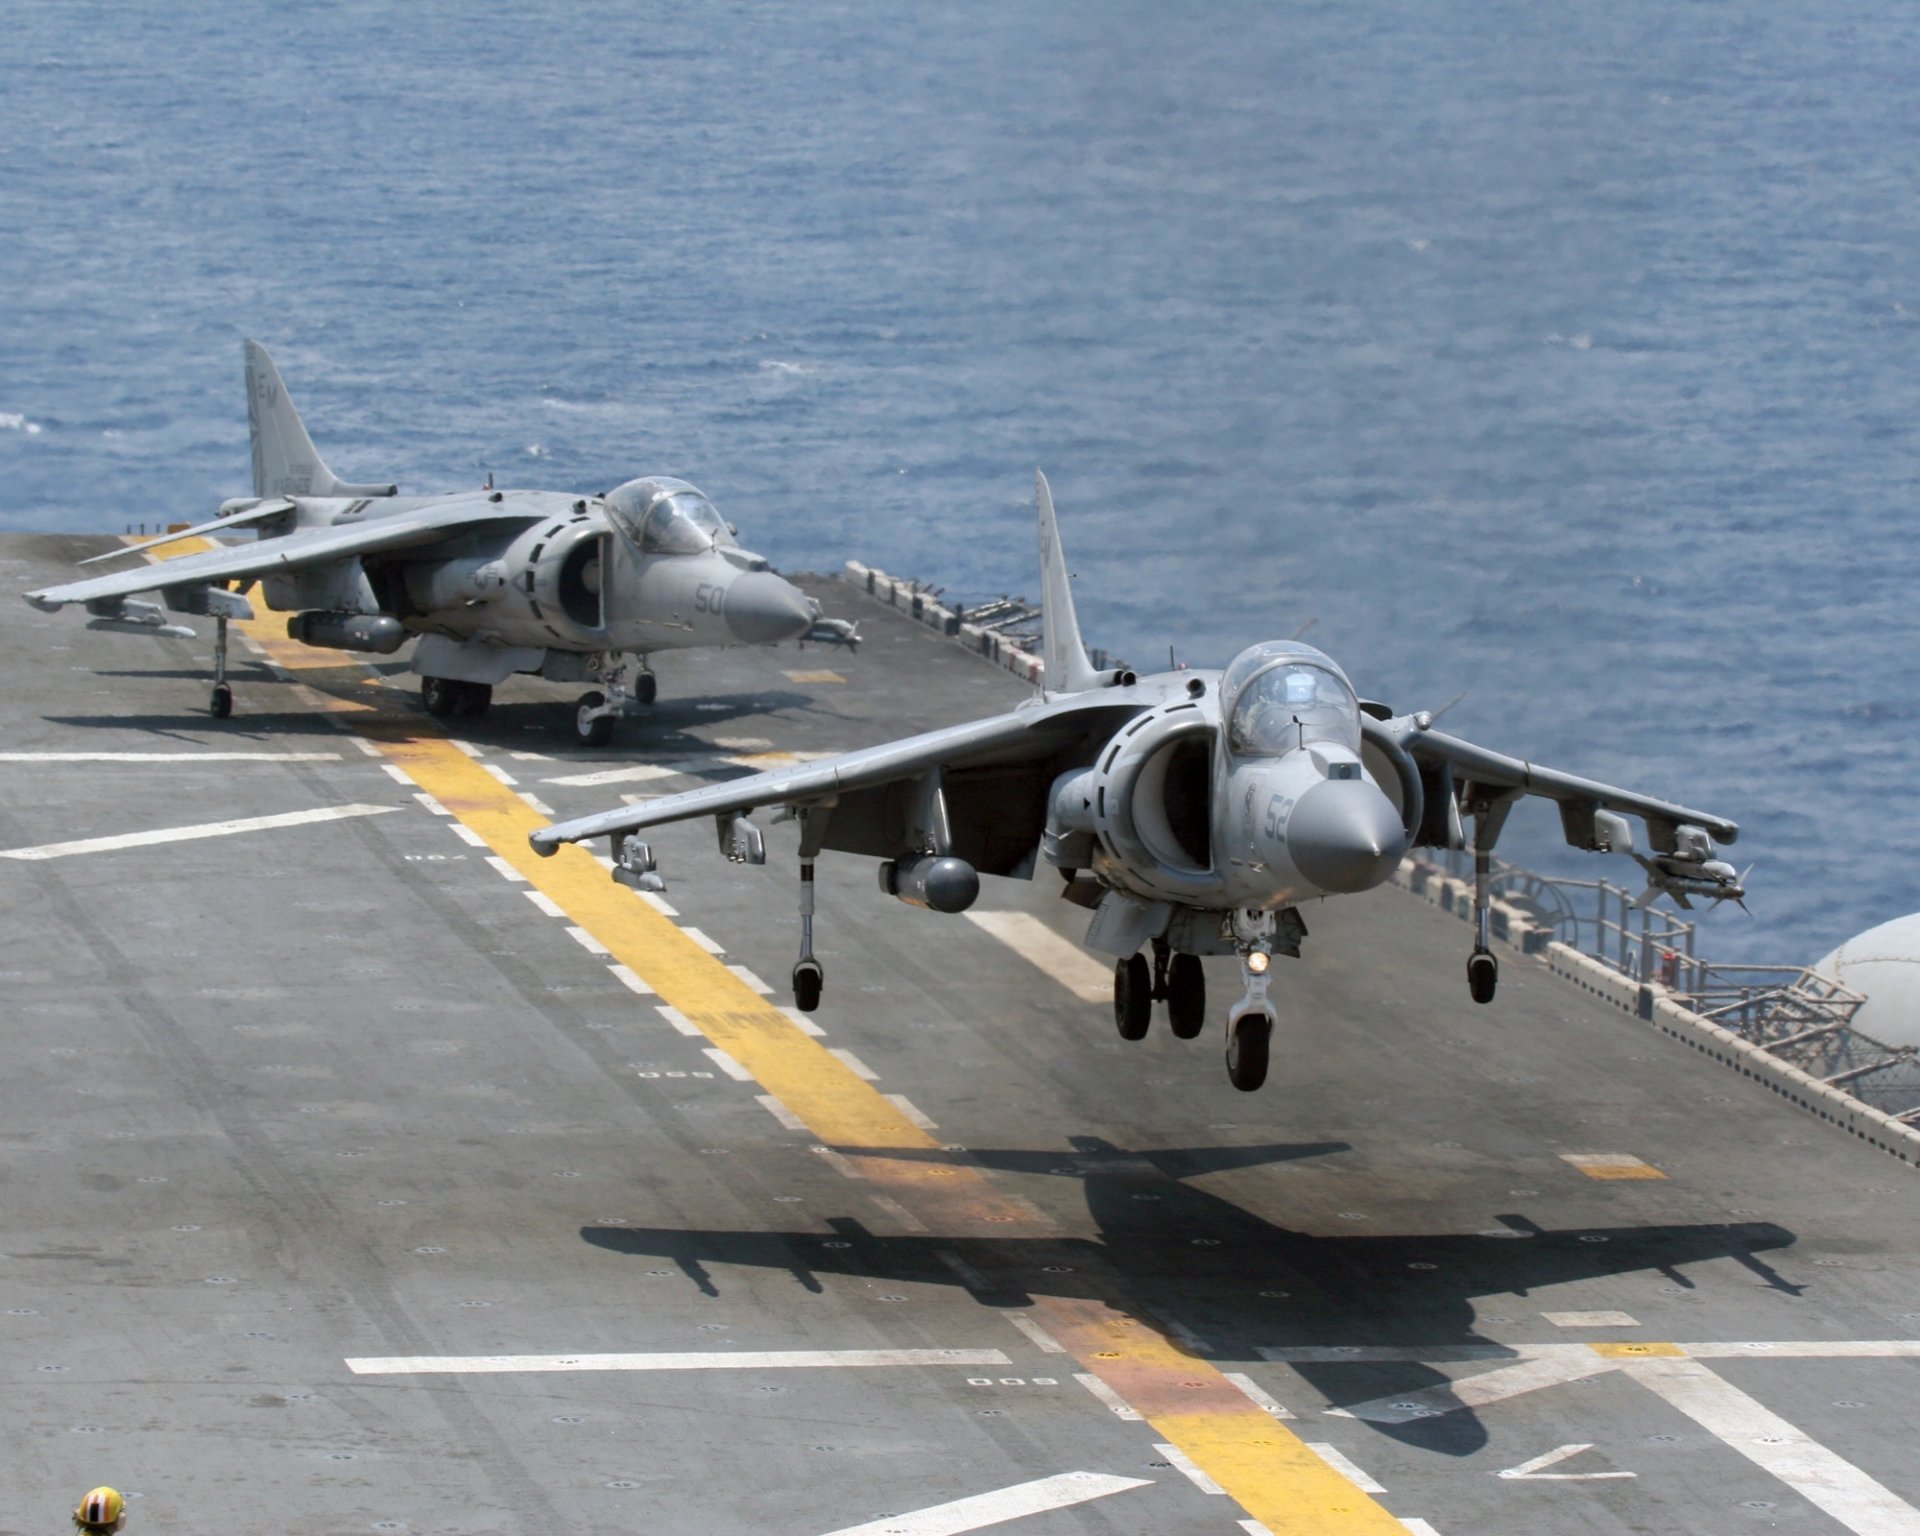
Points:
[(40, 601)]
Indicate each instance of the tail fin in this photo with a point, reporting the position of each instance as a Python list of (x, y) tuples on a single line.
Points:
[(1068, 668), (285, 462)]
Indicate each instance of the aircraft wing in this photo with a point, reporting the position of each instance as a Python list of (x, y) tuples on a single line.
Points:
[(1477, 765), (1019, 746), (311, 546)]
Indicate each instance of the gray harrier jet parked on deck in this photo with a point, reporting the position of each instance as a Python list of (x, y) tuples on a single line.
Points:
[(494, 582), (1194, 812)]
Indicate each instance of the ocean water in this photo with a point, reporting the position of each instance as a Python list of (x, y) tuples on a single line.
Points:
[(1567, 355)]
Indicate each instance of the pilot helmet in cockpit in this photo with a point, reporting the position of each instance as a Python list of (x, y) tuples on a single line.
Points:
[(667, 517), (1282, 696)]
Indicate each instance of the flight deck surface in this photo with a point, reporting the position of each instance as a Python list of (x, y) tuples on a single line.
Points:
[(366, 1172)]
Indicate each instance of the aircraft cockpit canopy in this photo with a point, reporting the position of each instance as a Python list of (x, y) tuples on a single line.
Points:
[(1281, 695), (667, 517)]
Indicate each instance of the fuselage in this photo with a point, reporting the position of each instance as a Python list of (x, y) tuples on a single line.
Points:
[(1246, 789)]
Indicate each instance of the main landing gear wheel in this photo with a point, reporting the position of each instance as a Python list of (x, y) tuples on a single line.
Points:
[(437, 696), (646, 688), (594, 732), (221, 704), (1132, 997), (1247, 1038), (808, 979), (1483, 975), (471, 700), (1186, 996)]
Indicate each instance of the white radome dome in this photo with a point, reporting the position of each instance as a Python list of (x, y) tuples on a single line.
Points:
[(1883, 966)]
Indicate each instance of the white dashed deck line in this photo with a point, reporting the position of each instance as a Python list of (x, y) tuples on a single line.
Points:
[(1255, 1528), (1825, 1480), (194, 833), (839, 1164), (531, 757), (545, 903), (169, 757), (640, 773), (787, 1118), (853, 1063), (702, 940), (751, 981), (1258, 1395), (632, 982), (1047, 1343), (659, 903), (502, 775), (803, 1022), (1037, 944), (505, 870), (997, 1508), (1184, 1464), (900, 1213), (1550, 1365), (1115, 1403), (1591, 1319), (731, 1360), (395, 772), (467, 835), (432, 804), (537, 806), (1345, 1468), (1418, 1526), (1805, 1349), (912, 1111), (365, 746), (587, 941), (726, 1064), (678, 1020), (468, 747)]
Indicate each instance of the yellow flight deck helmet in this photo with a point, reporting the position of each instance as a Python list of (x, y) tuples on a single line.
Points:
[(101, 1510)]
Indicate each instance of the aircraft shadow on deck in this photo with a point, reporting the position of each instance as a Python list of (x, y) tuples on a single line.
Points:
[(1168, 1250)]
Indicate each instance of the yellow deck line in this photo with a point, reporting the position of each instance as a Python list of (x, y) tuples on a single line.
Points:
[(1259, 1461)]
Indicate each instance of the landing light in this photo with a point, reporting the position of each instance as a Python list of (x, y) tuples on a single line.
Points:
[(1258, 961)]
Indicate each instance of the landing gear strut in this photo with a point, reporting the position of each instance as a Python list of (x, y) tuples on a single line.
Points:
[(1483, 969), (221, 704), (809, 976), (597, 714)]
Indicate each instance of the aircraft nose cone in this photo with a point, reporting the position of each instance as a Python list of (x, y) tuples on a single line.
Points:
[(761, 608), (1345, 836)]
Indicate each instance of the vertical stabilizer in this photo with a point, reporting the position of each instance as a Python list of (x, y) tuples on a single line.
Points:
[(1068, 669), (285, 462)]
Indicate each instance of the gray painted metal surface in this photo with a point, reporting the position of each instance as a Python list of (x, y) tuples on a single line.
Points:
[(338, 1091)]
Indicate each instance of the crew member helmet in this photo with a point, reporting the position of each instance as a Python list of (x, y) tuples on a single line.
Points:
[(101, 1510)]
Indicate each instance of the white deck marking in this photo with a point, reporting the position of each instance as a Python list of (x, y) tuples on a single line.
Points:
[(1535, 1470), (1258, 1395), (633, 983), (748, 979), (468, 747), (1826, 1481), (505, 870), (169, 757), (1591, 1319), (544, 902), (366, 747), (1345, 1468), (727, 1064), (853, 1063), (1036, 943), (433, 805), (730, 1360), (587, 941), (1418, 1526), (1255, 1528), (659, 903), (1184, 1464), (638, 774), (1548, 1365), (900, 1213), (998, 1507), (677, 1019), (1803, 1349), (703, 941), (502, 775), (780, 1112), (802, 1022), (193, 833), (537, 806), (1116, 1404), (839, 1163), (395, 772), (1047, 1342), (467, 835), (912, 1111)]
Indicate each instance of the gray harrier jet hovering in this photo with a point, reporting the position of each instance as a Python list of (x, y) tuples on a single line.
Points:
[(494, 582), (1194, 812)]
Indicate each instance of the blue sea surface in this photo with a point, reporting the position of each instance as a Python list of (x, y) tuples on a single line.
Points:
[(1561, 354)]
